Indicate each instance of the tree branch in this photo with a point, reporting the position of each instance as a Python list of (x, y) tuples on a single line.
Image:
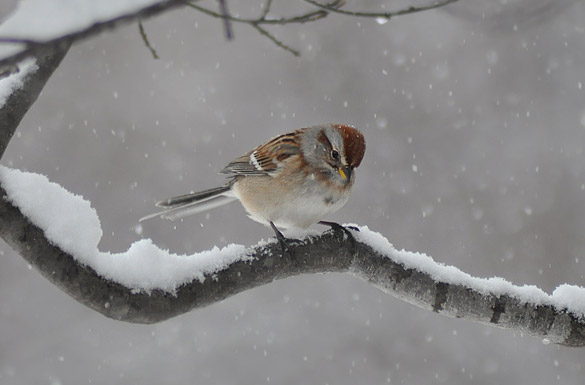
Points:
[(20, 100), (225, 16), (383, 15), (38, 48), (264, 19), (329, 252), (146, 41)]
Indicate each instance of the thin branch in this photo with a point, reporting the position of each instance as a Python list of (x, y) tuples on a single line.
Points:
[(146, 41), (266, 9), (326, 8), (35, 48), (226, 21), (275, 40), (263, 19), (383, 15)]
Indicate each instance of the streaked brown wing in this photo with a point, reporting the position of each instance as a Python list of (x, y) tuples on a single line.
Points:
[(265, 159)]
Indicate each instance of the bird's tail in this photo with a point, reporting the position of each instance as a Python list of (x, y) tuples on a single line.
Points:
[(193, 203)]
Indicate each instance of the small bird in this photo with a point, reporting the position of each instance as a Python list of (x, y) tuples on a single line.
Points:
[(291, 181)]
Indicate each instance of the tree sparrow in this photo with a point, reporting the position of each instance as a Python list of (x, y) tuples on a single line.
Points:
[(292, 180)]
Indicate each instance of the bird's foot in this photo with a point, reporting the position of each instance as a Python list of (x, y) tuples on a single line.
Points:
[(337, 228), (285, 243)]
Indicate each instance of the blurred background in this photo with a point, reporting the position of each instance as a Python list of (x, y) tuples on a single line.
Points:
[(474, 117)]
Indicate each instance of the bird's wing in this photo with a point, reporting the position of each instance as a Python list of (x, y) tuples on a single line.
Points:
[(265, 159)]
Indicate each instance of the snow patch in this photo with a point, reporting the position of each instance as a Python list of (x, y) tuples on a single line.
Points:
[(11, 83), (44, 20), (71, 223), (567, 297)]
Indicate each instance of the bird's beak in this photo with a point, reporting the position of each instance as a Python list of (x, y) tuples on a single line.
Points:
[(345, 173)]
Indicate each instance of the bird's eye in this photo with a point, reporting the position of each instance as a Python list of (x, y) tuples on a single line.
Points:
[(335, 154)]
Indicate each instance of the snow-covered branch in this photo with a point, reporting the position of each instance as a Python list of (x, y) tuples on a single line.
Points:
[(41, 26), (58, 232), (38, 26), (147, 284), (19, 91)]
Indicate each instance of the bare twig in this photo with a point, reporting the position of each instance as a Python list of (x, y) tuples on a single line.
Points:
[(226, 21), (35, 48), (266, 9), (325, 8), (32, 47), (264, 19), (383, 15), (146, 41), (275, 40)]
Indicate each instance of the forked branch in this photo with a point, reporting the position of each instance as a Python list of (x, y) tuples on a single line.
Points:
[(324, 9), (329, 252)]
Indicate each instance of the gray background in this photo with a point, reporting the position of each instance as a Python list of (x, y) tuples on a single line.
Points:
[(474, 117)]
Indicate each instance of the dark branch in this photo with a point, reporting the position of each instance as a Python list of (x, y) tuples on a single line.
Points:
[(266, 9), (265, 20), (19, 102), (330, 252), (275, 40), (226, 21), (38, 48), (383, 15), (146, 41)]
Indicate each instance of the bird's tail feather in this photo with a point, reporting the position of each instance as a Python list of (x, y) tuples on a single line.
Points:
[(193, 203), (186, 199)]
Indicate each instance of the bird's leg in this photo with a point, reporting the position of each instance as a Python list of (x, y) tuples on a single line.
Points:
[(281, 239)]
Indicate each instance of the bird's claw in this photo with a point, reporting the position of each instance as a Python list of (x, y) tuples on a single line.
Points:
[(336, 227)]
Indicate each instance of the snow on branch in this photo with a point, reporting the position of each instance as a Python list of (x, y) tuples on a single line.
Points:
[(41, 26), (19, 91), (58, 232)]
